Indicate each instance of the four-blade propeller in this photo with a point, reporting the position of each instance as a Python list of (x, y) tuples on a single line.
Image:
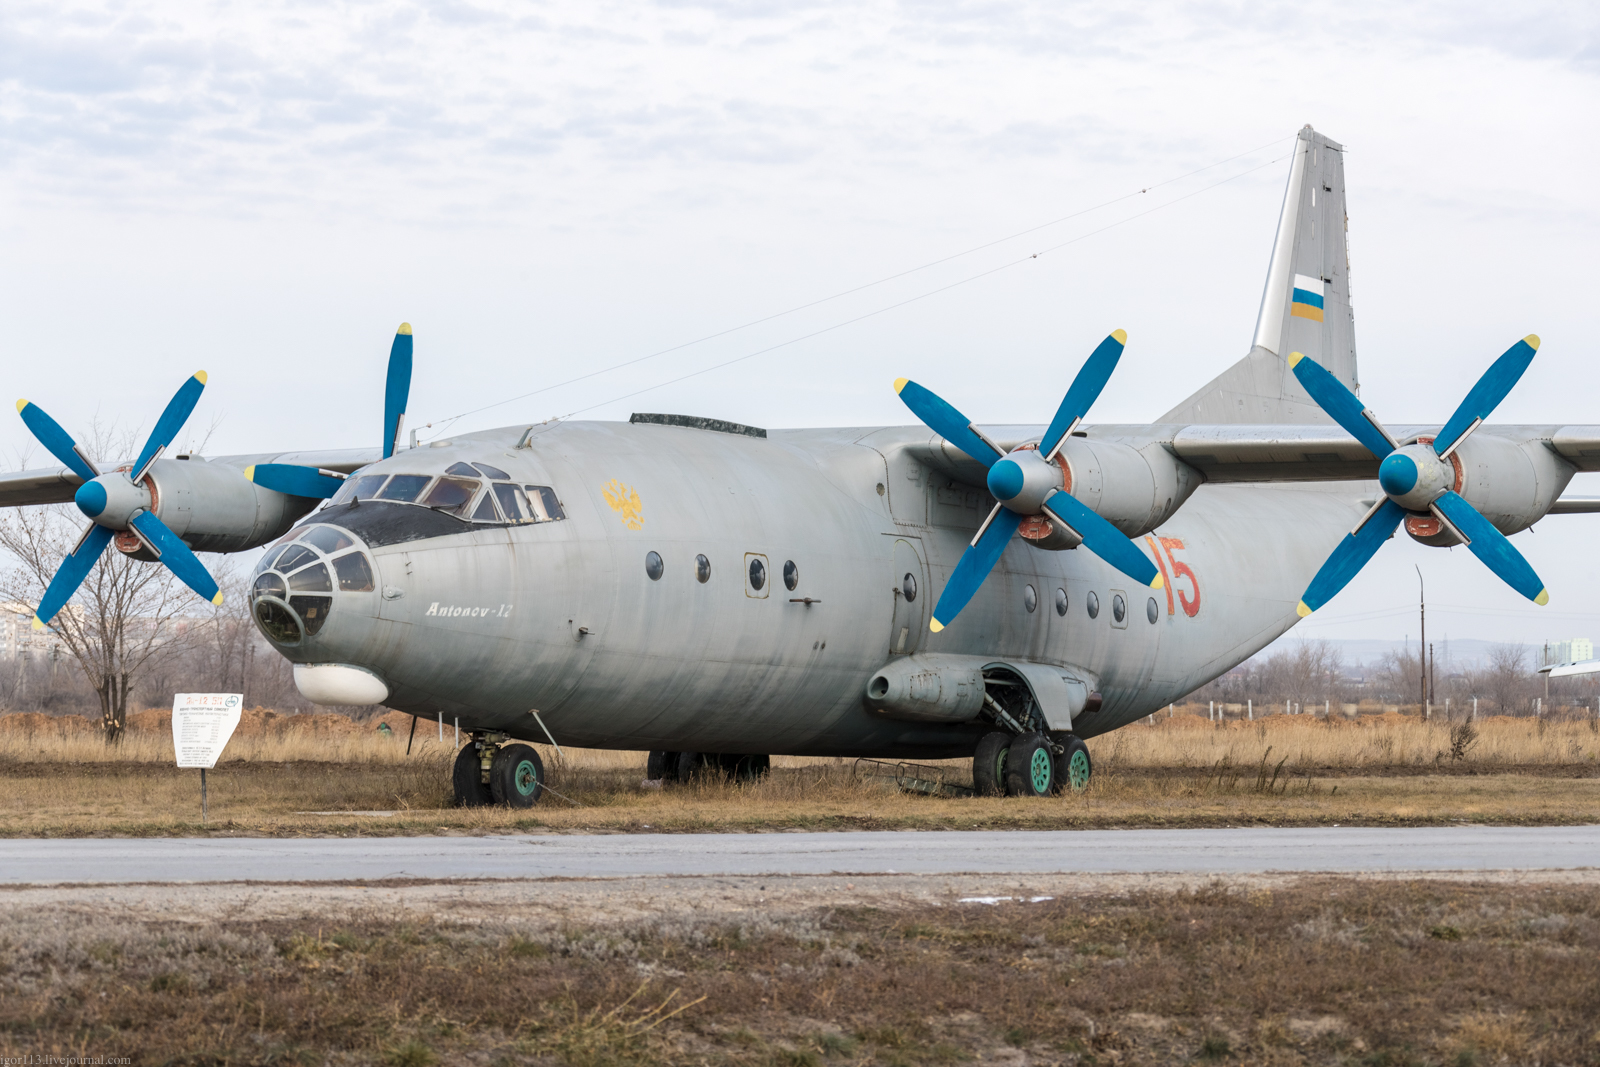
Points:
[(1026, 482), (294, 480), (118, 501), (1418, 479)]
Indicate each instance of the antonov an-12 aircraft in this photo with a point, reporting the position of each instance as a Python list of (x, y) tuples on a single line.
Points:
[(717, 593)]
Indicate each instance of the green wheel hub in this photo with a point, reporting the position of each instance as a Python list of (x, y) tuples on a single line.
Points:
[(1042, 769), (526, 777), (1078, 770)]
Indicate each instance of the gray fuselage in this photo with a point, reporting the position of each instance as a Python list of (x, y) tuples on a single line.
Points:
[(487, 621)]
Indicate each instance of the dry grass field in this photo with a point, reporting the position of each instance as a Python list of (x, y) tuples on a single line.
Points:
[(1334, 971), (285, 774)]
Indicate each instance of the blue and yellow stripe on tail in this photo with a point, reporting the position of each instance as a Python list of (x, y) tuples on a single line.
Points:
[(1307, 302)]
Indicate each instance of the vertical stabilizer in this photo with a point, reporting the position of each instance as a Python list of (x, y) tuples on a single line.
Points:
[(1305, 306)]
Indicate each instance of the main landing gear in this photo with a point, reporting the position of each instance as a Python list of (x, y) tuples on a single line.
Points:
[(685, 767), (1020, 756), (1030, 764), (491, 769)]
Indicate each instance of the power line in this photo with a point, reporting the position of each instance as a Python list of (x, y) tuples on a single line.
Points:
[(856, 289), (921, 296)]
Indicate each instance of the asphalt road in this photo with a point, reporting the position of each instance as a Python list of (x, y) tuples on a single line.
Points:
[(1227, 851)]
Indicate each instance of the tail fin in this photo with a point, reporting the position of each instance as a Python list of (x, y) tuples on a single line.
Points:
[(1304, 308)]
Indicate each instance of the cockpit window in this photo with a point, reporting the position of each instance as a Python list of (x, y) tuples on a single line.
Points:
[(548, 501), (295, 556), (364, 488), (491, 472), (406, 487), (311, 580), (451, 495), (329, 539), (355, 573), (266, 560), (486, 511), (462, 469), (512, 503)]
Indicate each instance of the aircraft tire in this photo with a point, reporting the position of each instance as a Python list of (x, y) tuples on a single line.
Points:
[(747, 768), (467, 779), (989, 764), (660, 765), (516, 778), (1030, 767), (689, 766), (1073, 767)]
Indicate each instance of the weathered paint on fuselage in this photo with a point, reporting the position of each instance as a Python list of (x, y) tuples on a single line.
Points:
[(485, 623)]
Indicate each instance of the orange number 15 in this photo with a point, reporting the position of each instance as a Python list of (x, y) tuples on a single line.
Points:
[(1179, 569)]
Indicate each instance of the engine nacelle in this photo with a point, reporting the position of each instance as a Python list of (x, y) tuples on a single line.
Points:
[(1134, 489), (1510, 483), (215, 508), (928, 688)]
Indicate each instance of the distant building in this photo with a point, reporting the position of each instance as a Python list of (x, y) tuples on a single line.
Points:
[(17, 635), (1576, 650)]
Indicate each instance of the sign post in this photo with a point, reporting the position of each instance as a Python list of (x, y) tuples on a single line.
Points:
[(202, 723)]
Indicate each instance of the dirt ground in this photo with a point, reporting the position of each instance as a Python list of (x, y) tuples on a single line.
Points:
[(811, 971), (412, 797)]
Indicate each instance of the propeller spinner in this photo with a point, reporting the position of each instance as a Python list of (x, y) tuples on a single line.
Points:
[(1027, 483), (1417, 478), (118, 501), (295, 480)]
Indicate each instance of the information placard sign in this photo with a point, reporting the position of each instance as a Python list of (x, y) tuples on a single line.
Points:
[(202, 723)]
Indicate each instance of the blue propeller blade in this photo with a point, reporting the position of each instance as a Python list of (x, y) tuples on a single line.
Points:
[(294, 480), (176, 556), (1085, 389), (73, 570), (1491, 546), (974, 566), (1486, 395), (1343, 406), (947, 422), (178, 410), (397, 391), (1103, 539), (1351, 555), (54, 438)]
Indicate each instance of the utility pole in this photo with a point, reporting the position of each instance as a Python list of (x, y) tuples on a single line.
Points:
[(1422, 645), (1433, 688)]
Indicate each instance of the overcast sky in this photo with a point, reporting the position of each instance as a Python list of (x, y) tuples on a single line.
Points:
[(543, 190)]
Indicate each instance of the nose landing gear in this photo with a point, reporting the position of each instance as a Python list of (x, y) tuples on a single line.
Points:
[(491, 770)]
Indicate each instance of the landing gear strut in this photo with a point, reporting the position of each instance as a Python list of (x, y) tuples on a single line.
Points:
[(491, 770), (1020, 757)]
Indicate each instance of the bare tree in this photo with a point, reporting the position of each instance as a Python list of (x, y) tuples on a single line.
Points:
[(1506, 683), (115, 626)]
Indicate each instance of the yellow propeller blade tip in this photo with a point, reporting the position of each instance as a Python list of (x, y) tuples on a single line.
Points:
[(1543, 598), (218, 598), (200, 376), (1302, 610), (1158, 582), (20, 405), (1533, 341), (1295, 357), (250, 473), (935, 625), (899, 384), (405, 328), (1121, 336), (38, 623)]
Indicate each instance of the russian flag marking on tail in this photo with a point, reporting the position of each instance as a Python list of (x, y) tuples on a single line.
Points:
[(1307, 302)]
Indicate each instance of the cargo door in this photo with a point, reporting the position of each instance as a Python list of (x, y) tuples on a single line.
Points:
[(910, 589)]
